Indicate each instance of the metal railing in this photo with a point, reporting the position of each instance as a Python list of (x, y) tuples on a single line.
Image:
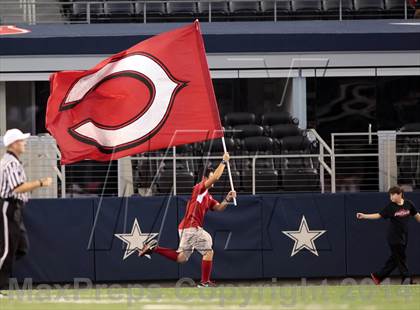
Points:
[(376, 161), (267, 172), (250, 180), (160, 173), (408, 160), (42, 159), (355, 162), (49, 11)]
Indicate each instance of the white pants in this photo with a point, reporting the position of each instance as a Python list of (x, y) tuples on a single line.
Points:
[(194, 238)]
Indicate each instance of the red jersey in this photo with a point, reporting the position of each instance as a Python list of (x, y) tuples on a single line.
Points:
[(201, 201)]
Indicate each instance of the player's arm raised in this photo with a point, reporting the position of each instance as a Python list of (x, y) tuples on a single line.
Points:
[(218, 172), (222, 206), (373, 216)]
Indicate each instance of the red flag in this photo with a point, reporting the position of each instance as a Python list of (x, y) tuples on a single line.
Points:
[(154, 95)]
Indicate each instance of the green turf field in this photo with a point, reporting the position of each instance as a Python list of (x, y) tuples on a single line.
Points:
[(256, 297)]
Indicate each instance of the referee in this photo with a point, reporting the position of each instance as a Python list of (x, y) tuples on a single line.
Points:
[(14, 193)]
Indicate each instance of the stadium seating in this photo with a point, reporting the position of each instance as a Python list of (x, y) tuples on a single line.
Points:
[(284, 130), (119, 10), (307, 5), (332, 7), (274, 118), (80, 10), (185, 178), (90, 177), (277, 118), (394, 4), (157, 10), (280, 131), (369, 8), (243, 131), (279, 135), (311, 8), (239, 118), (180, 8), (144, 171), (116, 10), (215, 148), (219, 10), (396, 8), (293, 144), (369, 5), (281, 6), (283, 9), (276, 133), (246, 9), (266, 176), (298, 174), (216, 7)]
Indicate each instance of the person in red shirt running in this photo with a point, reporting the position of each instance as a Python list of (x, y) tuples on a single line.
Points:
[(191, 232)]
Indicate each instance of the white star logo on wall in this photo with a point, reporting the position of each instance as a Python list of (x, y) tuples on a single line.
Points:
[(134, 240), (304, 238)]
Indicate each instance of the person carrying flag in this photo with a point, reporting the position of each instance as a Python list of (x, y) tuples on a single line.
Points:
[(191, 232)]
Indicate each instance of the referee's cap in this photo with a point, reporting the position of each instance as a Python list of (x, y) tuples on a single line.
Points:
[(13, 135)]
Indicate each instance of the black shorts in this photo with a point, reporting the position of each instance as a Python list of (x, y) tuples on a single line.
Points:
[(11, 224)]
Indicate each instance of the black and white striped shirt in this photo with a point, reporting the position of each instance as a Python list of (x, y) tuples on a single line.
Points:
[(11, 176)]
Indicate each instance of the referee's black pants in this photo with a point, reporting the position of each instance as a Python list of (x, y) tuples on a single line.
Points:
[(13, 238), (398, 259)]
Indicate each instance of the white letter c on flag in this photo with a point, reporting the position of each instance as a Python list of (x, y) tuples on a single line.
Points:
[(114, 138)]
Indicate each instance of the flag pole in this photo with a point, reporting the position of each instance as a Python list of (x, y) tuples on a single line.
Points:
[(228, 167)]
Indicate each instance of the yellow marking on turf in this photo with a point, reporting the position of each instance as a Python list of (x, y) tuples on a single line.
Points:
[(324, 307), (75, 301), (210, 307)]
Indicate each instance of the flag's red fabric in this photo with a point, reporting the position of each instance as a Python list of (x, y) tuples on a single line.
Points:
[(154, 95)]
